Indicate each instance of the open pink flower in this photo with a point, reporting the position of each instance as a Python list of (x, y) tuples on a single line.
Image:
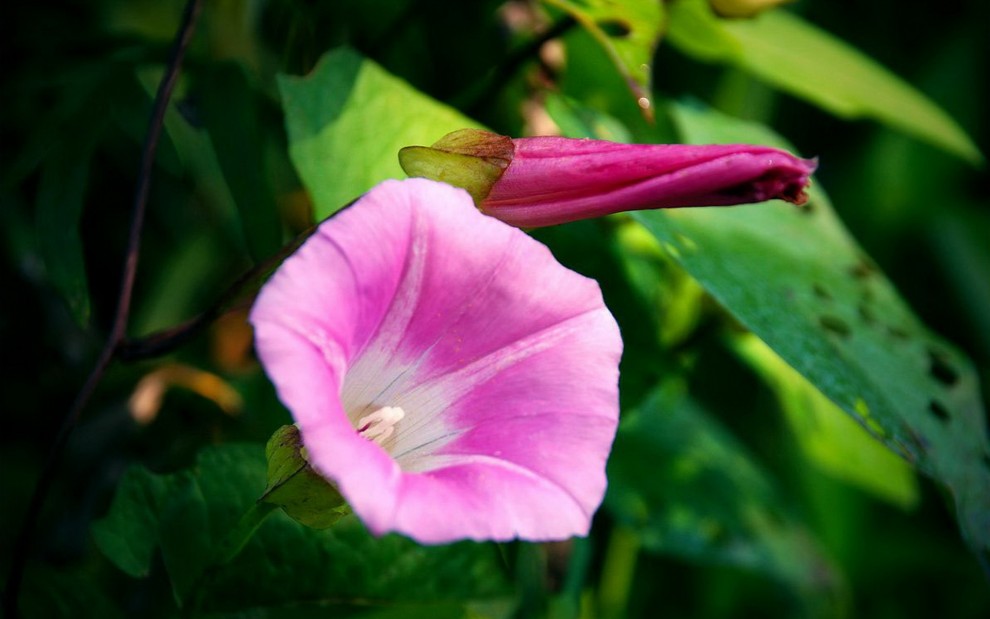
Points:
[(542, 181), (446, 373)]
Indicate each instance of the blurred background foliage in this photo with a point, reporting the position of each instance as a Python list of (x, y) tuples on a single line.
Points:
[(737, 487)]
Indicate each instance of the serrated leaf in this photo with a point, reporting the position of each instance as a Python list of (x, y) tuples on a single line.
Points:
[(796, 279), (680, 480), (188, 514), (795, 56), (627, 31), (347, 121)]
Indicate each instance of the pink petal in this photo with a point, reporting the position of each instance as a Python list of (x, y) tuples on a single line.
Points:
[(504, 361), (555, 180)]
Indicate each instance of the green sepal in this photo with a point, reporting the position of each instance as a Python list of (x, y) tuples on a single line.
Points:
[(471, 159), (305, 495)]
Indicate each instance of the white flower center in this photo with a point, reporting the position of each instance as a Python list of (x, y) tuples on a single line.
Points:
[(380, 424)]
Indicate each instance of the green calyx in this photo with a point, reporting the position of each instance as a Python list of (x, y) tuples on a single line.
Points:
[(471, 159), (294, 486)]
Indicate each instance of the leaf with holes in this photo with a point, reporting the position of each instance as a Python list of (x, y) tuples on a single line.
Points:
[(795, 56), (681, 481), (830, 439), (347, 120), (627, 31), (796, 279)]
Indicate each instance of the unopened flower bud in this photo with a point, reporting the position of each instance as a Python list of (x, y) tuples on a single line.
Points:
[(544, 181)]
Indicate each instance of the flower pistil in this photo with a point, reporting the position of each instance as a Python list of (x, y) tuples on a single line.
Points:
[(380, 424)]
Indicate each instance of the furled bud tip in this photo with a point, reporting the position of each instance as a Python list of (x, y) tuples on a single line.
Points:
[(549, 180)]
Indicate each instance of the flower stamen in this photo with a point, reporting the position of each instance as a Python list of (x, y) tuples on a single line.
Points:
[(380, 424)]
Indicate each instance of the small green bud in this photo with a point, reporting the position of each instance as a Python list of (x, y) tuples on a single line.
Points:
[(468, 158), (304, 494)]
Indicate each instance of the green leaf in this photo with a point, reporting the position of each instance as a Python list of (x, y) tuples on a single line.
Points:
[(829, 438), (347, 565), (61, 197), (680, 480), (347, 121), (230, 111), (796, 279), (192, 147), (70, 593), (627, 31), (795, 56), (497, 609), (188, 514), (579, 121), (128, 536)]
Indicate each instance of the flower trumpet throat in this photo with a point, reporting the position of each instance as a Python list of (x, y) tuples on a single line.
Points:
[(448, 377), (542, 181), (380, 424)]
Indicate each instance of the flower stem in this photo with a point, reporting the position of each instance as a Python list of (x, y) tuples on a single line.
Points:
[(230, 546), (237, 538), (166, 340), (22, 545), (478, 95), (618, 571)]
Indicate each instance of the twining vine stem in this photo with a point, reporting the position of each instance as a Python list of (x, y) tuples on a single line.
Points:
[(230, 546), (491, 85), (118, 345), (166, 340), (118, 330)]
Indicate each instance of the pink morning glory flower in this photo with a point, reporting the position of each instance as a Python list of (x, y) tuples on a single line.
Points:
[(542, 181), (445, 372)]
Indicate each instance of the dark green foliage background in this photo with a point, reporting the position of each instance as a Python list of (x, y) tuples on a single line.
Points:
[(716, 508)]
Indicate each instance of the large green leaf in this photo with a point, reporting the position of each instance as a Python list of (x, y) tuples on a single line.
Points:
[(61, 194), (60, 200), (795, 56), (347, 121), (230, 110), (797, 280), (829, 438), (70, 593), (627, 31), (680, 480), (188, 514)]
